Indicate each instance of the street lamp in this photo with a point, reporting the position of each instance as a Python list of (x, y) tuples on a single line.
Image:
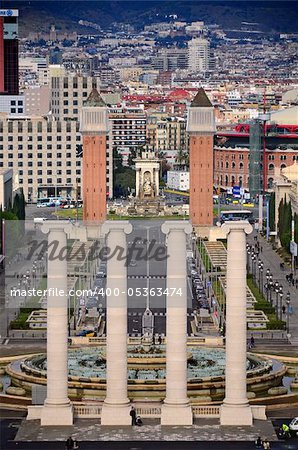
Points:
[(254, 260), (267, 284), (288, 301), (276, 288), (248, 256), (270, 288), (261, 268), (280, 304)]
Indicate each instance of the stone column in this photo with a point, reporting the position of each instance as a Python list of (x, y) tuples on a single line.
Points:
[(116, 406), (156, 182), (137, 183), (176, 409), (235, 409), (57, 409)]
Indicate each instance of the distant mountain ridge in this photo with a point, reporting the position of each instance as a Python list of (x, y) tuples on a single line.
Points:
[(280, 16)]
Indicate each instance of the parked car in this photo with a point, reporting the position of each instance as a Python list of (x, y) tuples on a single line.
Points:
[(293, 425), (100, 274)]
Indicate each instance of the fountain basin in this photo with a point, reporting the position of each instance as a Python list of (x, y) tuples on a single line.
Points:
[(146, 373)]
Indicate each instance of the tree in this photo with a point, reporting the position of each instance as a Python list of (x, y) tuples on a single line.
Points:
[(117, 161), (272, 212), (22, 205), (285, 223), (124, 181), (182, 158), (131, 157), (16, 207)]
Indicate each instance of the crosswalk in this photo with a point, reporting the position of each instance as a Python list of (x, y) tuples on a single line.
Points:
[(152, 277), (159, 314)]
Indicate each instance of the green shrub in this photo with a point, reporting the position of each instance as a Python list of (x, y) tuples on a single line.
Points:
[(275, 324), (264, 306)]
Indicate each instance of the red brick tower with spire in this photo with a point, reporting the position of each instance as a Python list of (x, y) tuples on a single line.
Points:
[(94, 127), (201, 129)]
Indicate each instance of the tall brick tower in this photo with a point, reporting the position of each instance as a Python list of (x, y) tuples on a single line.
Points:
[(201, 128), (94, 127)]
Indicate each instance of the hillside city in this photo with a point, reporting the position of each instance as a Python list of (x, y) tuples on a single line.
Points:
[(147, 79), (172, 142)]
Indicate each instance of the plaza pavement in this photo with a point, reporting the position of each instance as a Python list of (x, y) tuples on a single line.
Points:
[(91, 430)]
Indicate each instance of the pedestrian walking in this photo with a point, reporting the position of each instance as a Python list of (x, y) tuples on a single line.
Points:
[(266, 445), (296, 283), (283, 309), (259, 442), (133, 415), (261, 248), (75, 444), (69, 444), (293, 282), (252, 342)]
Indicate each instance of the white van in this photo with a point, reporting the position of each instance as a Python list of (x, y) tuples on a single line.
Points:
[(39, 219)]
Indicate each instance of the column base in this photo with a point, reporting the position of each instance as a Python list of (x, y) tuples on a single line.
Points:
[(56, 415), (236, 415), (115, 414), (176, 414)]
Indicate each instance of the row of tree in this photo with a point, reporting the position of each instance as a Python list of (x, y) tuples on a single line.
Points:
[(285, 218), (16, 211)]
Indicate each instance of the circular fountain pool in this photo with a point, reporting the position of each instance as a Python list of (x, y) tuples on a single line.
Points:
[(147, 373)]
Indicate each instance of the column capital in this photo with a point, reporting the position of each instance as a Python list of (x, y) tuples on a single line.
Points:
[(176, 225), (56, 225), (239, 225), (116, 225)]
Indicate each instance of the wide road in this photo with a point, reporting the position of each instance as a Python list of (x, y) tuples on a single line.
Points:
[(145, 274)]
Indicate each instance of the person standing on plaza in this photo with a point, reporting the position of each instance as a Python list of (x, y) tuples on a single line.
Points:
[(133, 416), (69, 444)]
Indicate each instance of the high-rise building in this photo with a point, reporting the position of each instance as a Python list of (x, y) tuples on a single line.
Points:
[(94, 128), (170, 59), (42, 155), (9, 52), (201, 128), (198, 55), (68, 93)]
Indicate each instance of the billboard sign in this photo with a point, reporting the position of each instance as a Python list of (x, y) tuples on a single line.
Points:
[(293, 248), (236, 191), (9, 12)]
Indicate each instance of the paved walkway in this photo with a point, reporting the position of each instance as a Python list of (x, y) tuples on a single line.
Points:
[(272, 261), (91, 430)]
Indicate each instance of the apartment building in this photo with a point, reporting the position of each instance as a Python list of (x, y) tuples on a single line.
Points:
[(42, 154), (128, 129), (166, 133)]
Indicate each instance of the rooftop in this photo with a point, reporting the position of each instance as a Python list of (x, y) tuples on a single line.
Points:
[(201, 100), (94, 99)]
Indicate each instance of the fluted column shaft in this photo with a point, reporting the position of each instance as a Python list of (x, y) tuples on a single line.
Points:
[(176, 409), (116, 405), (236, 408)]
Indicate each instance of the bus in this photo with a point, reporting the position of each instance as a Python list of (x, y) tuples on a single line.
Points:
[(48, 201), (237, 214)]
